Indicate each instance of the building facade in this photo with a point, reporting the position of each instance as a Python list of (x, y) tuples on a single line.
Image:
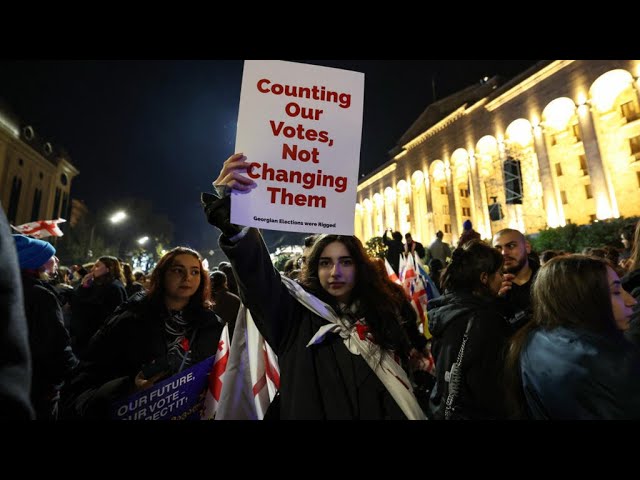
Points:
[(35, 176), (559, 143)]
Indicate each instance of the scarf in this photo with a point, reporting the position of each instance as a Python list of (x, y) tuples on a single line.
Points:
[(390, 373)]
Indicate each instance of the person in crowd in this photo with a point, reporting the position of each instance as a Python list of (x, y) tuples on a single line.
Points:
[(547, 255), (631, 279), (290, 266), (52, 358), (412, 246), (131, 284), (439, 249), (572, 362), (435, 271), (140, 277), (468, 310), (306, 250), (232, 285), (337, 333), (226, 304), (627, 236), (171, 325), (519, 273), (15, 357), (98, 295), (468, 233), (395, 248)]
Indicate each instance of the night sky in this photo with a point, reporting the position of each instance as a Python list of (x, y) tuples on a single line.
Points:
[(161, 129)]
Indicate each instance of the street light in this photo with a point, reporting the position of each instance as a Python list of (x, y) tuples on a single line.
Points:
[(143, 240), (116, 218)]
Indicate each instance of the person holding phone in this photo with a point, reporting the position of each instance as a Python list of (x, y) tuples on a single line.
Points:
[(152, 336)]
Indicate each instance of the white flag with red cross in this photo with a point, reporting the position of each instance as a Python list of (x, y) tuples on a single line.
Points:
[(41, 228), (253, 375), (392, 275), (217, 375)]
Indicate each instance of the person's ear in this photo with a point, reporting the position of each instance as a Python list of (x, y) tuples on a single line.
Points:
[(527, 246), (484, 278)]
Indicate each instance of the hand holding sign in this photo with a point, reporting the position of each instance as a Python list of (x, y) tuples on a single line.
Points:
[(232, 176)]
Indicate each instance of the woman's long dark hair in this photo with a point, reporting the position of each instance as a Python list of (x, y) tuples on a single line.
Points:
[(569, 291), (114, 273), (200, 299), (467, 264), (380, 305)]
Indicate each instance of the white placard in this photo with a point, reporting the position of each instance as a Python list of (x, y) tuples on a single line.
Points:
[(300, 126)]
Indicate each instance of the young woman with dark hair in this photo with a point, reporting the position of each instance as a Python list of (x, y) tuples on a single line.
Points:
[(100, 292), (472, 389), (172, 325), (571, 361), (337, 333)]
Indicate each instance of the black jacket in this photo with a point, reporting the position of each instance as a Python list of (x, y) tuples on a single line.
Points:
[(131, 338), (90, 307), (15, 360), (323, 381), (482, 394), (51, 355)]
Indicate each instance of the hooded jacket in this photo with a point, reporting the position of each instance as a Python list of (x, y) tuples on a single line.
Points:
[(482, 393)]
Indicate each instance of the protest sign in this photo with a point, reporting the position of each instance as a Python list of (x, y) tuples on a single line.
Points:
[(179, 397), (300, 127)]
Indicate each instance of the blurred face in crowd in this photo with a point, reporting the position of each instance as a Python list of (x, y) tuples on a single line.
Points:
[(493, 282), (99, 269), (621, 301), (625, 242), (51, 267), (182, 279), (337, 271), (514, 251)]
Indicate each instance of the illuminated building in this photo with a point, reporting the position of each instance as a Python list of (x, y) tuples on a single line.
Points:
[(35, 176), (559, 143)]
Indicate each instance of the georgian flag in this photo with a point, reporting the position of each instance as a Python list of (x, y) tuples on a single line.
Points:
[(253, 375), (392, 275), (216, 377), (41, 228)]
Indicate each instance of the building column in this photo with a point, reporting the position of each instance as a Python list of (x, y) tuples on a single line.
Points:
[(552, 204), (481, 208), (606, 204), (453, 207), (430, 230)]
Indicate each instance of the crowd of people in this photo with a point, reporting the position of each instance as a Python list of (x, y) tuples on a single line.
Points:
[(514, 335)]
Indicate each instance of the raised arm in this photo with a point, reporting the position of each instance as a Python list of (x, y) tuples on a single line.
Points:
[(261, 289)]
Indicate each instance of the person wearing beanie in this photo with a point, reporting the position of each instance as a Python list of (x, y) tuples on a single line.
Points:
[(52, 359), (468, 233), (32, 252)]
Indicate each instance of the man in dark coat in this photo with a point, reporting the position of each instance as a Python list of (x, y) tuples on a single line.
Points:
[(395, 248), (519, 273), (412, 246), (15, 360)]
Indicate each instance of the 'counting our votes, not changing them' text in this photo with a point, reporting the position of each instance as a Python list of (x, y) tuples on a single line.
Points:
[(293, 152)]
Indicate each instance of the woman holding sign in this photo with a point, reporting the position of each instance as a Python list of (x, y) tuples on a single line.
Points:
[(150, 337), (337, 333)]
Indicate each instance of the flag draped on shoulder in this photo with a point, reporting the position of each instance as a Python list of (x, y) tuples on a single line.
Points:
[(41, 228), (217, 375), (252, 375)]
